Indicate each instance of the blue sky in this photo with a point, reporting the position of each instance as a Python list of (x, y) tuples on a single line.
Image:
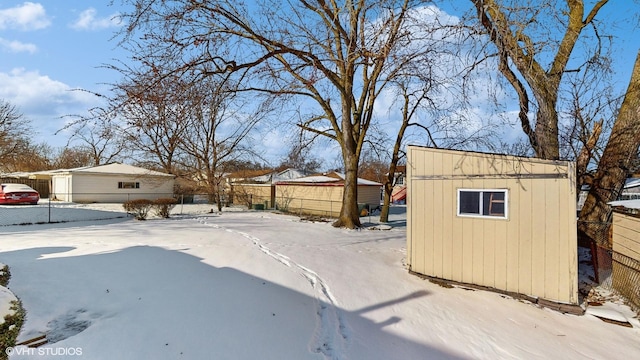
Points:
[(50, 47)]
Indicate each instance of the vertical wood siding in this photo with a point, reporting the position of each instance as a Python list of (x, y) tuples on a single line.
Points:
[(320, 200), (626, 235), (533, 251), (259, 193), (626, 257)]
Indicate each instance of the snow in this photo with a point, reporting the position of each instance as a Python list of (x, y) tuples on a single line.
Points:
[(260, 285), (6, 297), (629, 204), (609, 311)]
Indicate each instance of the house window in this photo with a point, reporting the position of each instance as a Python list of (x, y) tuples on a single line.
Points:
[(128, 185), (483, 203)]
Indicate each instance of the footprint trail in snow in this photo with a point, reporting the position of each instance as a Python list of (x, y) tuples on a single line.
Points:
[(331, 335)]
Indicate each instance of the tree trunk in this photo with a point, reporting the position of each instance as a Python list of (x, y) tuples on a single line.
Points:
[(585, 156), (218, 194), (386, 201), (614, 166), (388, 186), (547, 129), (349, 214)]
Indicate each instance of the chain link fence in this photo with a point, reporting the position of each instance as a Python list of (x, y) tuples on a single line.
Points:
[(300, 206), (600, 251), (613, 269), (102, 206), (626, 278)]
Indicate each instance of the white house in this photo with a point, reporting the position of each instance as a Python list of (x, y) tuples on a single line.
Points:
[(631, 189), (112, 183)]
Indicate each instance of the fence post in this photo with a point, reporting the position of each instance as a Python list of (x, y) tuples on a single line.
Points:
[(49, 221)]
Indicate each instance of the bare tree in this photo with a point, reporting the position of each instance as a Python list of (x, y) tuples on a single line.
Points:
[(614, 166), (431, 103), (300, 157), (99, 136), (73, 157), (13, 127), (219, 128), (334, 55), (587, 119), (525, 41), (27, 156), (523, 35), (155, 110), (17, 151)]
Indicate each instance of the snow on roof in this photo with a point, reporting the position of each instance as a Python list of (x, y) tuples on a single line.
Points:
[(114, 168), (323, 179), (315, 179), (250, 174), (628, 183), (631, 182), (629, 204), (289, 174)]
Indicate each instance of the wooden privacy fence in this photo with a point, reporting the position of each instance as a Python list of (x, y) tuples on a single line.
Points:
[(40, 185)]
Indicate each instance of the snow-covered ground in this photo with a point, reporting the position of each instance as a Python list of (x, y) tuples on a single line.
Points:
[(258, 285)]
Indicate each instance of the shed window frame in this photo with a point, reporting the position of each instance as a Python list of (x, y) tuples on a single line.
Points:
[(483, 196), (128, 185)]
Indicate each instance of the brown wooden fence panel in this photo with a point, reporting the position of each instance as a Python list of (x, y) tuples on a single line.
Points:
[(40, 185)]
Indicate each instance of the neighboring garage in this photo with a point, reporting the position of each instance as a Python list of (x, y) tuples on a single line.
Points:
[(112, 183), (322, 194), (496, 221)]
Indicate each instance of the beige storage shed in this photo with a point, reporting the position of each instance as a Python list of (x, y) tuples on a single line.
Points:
[(495, 221), (322, 194)]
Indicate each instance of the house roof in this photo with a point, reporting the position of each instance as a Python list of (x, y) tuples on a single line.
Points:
[(265, 176), (332, 178), (250, 174), (629, 204), (289, 174), (631, 183), (113, 168)]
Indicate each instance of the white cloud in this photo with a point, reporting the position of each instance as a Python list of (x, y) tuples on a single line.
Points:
[(28, 16), (87, 20), (43, 101), (14, 46)]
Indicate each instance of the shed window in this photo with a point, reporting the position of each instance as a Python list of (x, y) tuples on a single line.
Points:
[(128, 185), (483, 203)]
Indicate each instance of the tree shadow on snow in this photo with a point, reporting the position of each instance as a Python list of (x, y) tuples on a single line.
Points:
[(150, 302)]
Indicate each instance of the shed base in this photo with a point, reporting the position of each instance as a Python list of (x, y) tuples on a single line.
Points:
[(553, 305)]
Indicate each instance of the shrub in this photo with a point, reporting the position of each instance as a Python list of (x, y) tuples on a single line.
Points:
[(139, 208), (4, 275), (10, 328), (162, 207), (12, 323)]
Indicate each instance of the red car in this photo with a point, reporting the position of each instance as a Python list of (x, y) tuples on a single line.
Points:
[(18, 194)]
